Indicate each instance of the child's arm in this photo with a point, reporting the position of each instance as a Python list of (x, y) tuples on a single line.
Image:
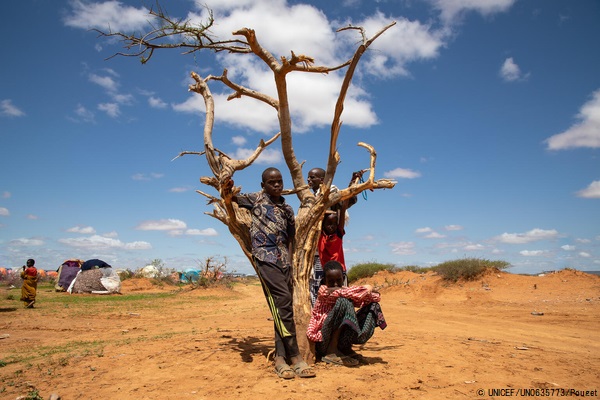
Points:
[(342, 217), (356, 176)]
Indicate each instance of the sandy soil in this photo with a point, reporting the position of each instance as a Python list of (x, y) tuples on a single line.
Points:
[(442, 341)]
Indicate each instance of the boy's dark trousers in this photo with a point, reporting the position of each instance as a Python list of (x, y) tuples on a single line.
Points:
[(278, 289)]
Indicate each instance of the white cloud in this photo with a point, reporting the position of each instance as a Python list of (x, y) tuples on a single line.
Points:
[(162, 225), (567, 247), (8, 109), (6, 195), (527, 237), (111, 109), (4, 212), (202, 232), (434, 235), (510, 71), (584, 254), (97, 242), (85, 230), (105, 82), (591, 192), (532, 253), (146, 177), (156, 102), (32, 217), (423, 230), (453, 228), (452, 10), (109, 15), (26, 242), (122, 98), (403, 248), (474, 247), (585, 133), (406, 42), (181, 189), (84, 114), (238, 140), (402, 173), (267, 156)]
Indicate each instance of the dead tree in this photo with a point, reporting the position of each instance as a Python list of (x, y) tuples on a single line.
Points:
[(193, 38)]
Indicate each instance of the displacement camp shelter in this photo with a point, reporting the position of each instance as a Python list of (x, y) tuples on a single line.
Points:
[(66, 273), (95, 276)]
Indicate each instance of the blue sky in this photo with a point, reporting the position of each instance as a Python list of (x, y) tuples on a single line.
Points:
[(486, 113)]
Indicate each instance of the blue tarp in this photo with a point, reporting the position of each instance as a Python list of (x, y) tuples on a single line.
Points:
[(190, 275)]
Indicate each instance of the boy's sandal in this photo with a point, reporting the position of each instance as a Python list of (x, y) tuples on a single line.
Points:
[(303, 370), (337, 360), (284, 371)]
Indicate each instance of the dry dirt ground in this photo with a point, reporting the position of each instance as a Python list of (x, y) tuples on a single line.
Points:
[(459, 341)]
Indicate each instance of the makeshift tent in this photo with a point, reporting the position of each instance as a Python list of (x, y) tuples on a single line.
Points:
[(150, 271), (99, 278), (66, 273), (98, 281)]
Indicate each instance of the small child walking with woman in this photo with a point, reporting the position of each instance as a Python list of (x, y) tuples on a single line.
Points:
[(335, 326), (29, 274)]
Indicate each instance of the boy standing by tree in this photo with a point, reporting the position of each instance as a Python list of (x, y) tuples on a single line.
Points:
[(272, 233)]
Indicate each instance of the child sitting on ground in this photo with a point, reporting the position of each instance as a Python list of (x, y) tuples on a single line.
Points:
[(335, 325)]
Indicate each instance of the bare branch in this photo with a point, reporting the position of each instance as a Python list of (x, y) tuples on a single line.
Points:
[(202, 88), (242, 91), (192, 37), (287, 192), (336, 124), (184, 153), (369, 184)]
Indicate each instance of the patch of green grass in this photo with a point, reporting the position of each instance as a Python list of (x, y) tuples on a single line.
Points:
[(467, 268), (33, 395), (93, 299), (367, 270)]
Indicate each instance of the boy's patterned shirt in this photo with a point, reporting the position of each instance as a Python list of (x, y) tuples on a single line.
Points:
[(359, 295), (272, 227)]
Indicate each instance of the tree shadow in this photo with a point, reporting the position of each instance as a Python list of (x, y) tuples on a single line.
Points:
[(7, 309), (250, 347)]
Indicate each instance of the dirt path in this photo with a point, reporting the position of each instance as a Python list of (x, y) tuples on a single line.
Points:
[(441, 342)]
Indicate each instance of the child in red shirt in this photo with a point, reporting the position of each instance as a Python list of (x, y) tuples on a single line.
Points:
[(331, 246)]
